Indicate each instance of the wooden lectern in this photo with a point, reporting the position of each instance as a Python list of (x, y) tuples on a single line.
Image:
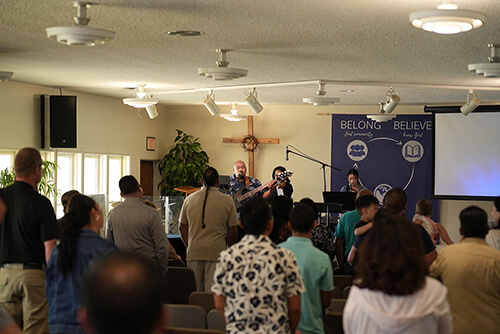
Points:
[(187, 189)]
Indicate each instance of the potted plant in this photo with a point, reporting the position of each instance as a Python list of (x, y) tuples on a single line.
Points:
[(183, 165), (46, 186)]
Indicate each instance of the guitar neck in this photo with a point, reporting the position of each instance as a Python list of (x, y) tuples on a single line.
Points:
[(254, 191)]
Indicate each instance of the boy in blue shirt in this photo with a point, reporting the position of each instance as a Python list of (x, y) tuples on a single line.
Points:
[(315, 268)]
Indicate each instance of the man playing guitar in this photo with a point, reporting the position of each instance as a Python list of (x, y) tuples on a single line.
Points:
[(239, 180)]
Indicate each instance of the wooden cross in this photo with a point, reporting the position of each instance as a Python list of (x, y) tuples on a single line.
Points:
[(250, 144)]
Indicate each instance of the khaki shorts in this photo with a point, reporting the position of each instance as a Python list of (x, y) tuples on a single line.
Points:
[(22, 294)]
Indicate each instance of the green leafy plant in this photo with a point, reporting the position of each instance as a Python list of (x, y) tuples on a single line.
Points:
[(7, 177), (46, 186), (183, 165)]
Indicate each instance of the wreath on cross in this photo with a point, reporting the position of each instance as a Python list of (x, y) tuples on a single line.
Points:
[(250, 143)]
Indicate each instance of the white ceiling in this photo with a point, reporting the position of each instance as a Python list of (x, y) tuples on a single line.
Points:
[(363, 45)]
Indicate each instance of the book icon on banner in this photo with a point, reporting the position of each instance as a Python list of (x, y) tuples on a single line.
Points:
[(413, 151)]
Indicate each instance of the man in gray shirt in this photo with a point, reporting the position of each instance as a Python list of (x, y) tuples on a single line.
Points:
[(136, 227)]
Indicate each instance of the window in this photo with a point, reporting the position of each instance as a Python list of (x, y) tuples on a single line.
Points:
[(119, 166), (90, 174), (94, 174), (6, 159), (68, 176)]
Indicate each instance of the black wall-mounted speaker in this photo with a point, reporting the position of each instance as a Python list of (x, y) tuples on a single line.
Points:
[(60, 124)]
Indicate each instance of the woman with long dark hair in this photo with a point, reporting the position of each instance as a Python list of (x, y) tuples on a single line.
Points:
[(392, 292), (353, 184), (80, 245)]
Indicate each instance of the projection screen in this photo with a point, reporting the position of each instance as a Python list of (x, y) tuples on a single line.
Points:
[(467, 154)]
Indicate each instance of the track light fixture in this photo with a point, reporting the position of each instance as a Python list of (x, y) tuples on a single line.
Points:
[(81, 34), (491, 69), (253, 103), (471, 104), (447, 19), (222, 71), (391, 103), (321, 100), (209, 103), (152, 112)]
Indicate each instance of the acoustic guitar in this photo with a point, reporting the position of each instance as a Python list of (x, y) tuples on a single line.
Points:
[(239, 197)]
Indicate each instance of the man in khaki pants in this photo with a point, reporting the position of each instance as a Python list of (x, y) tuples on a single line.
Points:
[(27, 237), (207, 217)]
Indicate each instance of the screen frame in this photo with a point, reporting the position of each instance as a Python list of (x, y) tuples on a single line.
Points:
[(449, 110)]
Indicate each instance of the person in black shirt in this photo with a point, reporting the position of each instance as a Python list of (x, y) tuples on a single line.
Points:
[(281, 188), (27, 237)]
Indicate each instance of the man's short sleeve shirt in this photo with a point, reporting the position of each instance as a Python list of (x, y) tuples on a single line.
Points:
[(257, 277), (236, 185), (28, 223)]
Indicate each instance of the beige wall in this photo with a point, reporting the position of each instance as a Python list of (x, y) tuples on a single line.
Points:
[(105, 125), (300, 126)]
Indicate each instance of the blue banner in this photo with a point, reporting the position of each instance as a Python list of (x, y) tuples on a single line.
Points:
[(393, 154)]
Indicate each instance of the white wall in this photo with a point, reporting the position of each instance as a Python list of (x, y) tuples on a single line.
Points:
[(105, 125)]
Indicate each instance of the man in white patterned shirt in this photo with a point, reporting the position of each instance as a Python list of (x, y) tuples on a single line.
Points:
[(257, 285)]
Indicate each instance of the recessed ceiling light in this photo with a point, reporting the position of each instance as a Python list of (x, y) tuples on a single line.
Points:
[(184, 33), (347, 90)]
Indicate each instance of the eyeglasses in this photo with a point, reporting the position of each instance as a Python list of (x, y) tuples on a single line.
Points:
[(42, 165)]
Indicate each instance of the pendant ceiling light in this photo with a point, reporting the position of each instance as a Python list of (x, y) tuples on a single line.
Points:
[(80, 34), (233, 116), (321, 100), (447, 19), (143, 100), (4, 76), (491, 69), (381, 118), (222, 71)]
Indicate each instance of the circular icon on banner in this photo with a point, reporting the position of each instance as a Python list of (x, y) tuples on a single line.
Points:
[(357, 150), (413, 151), (380, 191)]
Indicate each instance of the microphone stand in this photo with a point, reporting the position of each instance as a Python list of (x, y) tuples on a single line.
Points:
[(323, 165)]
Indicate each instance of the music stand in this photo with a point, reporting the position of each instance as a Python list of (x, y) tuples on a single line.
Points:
[(344, 199)]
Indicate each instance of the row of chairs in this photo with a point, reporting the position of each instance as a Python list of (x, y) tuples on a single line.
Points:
[(342, 281), (340, 294), (181, 283), (198, 313), (183, 299), (334, 313), (201, 314), (333, 320), (194, 317)]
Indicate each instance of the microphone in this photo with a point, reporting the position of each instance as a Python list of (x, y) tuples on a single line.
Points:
[(286, 156)]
